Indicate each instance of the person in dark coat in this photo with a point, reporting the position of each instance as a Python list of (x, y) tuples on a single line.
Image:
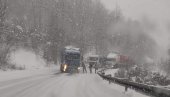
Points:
[(126, 88), (96, 67), (84, 67), (90, 67)]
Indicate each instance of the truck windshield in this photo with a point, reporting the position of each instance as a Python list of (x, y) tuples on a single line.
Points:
[(111, 59), (72, 56), (93, 58)]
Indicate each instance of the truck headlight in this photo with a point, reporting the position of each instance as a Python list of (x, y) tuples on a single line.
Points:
[(65, 67)]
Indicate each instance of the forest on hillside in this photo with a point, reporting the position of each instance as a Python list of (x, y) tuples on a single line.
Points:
[(46, 26)]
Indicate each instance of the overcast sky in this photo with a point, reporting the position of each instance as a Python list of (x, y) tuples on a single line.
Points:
[(157, 11)]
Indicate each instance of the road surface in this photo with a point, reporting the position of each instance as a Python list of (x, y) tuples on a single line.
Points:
[(57, 84)]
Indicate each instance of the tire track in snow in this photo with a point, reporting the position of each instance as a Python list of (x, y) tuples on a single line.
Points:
[(19, 80), (41, 89), (17, 88)]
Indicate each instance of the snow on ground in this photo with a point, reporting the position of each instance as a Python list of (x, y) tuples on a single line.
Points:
[(52, 83), (129, 93), (26, 58), (39, 81), (33, 63), (16, 74), (111, 71)]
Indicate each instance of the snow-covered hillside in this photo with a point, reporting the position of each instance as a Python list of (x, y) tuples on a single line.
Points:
[(26, 58)]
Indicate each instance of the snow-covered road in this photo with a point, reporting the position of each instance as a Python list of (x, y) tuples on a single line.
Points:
[(55, 84)]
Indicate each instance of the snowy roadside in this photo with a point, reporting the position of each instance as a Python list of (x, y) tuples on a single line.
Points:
[(121, 90), (111, 71), (160, 89), (16, 74)]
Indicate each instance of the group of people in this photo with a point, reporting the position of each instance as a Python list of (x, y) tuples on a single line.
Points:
[(91, 65)]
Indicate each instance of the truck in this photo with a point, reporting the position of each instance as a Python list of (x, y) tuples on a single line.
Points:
[(118, 60), (112, 59), (70, 59), (93, 59)]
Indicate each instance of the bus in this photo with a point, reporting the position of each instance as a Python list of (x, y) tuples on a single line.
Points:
[(70, 59)]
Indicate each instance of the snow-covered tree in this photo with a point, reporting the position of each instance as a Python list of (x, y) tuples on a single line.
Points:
[(4, 47)]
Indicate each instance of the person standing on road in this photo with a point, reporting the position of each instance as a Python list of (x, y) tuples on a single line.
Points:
[(95, 67), (84, 67), (126, 88), (90, 67)]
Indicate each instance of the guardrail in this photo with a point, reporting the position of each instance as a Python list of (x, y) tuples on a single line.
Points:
[(149, 89)]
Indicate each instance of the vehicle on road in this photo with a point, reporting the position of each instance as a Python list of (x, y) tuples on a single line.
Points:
[(112, 59), (93, 59), (70, 59), (117, 60)]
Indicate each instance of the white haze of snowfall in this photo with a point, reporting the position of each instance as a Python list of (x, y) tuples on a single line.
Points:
[(154, 13), (26, 58)]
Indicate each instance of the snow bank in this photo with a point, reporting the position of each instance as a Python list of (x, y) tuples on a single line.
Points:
[(34, 65), (26, 58), (111, 71), (102, 88), (17, 74)]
